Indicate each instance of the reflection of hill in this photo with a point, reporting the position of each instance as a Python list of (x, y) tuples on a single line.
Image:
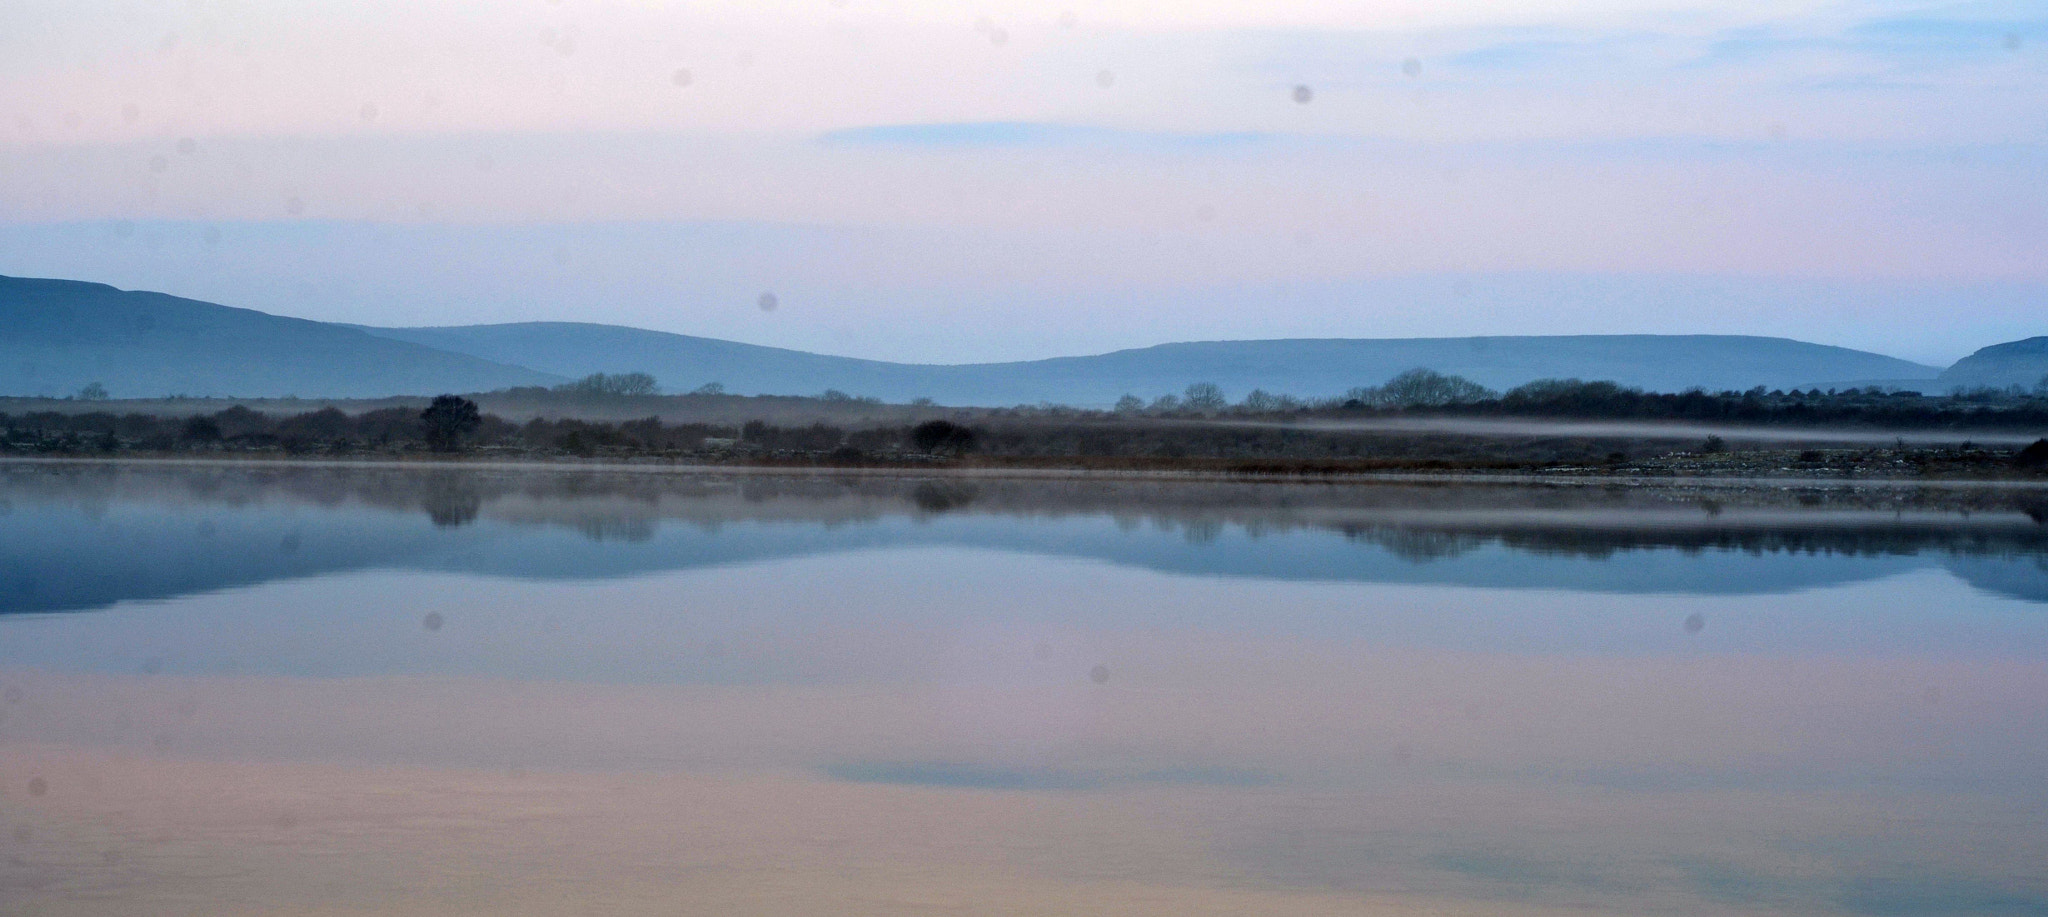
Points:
[(2021, 576), (79, 537)]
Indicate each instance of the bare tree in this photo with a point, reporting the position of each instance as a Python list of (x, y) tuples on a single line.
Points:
[(618, 385), (1204, 396)]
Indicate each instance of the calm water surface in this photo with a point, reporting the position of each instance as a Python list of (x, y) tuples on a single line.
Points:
[(350, 690)]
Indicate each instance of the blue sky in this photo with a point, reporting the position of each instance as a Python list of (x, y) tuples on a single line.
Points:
[(954, 181)]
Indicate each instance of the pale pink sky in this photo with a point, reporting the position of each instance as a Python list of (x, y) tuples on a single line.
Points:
[(941, 181)]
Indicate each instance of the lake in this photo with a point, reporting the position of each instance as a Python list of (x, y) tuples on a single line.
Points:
[(243, 689)]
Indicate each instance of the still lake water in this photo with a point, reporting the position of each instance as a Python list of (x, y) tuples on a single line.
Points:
[(485, 691)]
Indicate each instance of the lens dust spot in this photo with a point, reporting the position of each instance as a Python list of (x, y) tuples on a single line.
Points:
[(1412, 67), (131, 113), (999, 37), (1695, 622), (158, 164), (368, 111), (1068, 19), (12, 695), (154, 665), (767, 302), (295, 205), (2012, 41), (187, 146), (210, 235), (1304, 95), (432, 621), (682, 77), (1105, 79), (37, 786), (1099, 675), (485, 163)]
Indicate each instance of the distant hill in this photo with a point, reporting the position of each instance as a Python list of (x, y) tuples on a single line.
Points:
[(57, 336), (1307, 367), (680, 362), (2022, 363)]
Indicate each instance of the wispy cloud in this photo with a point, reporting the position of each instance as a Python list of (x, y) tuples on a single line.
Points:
[(987, 134)]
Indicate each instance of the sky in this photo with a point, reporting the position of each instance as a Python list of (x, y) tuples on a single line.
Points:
[(950, 182)]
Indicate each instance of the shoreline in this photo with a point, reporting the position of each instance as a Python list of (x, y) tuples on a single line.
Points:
[(1267, 473)]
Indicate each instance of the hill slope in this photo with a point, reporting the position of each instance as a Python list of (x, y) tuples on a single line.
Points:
[(56, 336), (679, 361), (1308, 367), (2023, 363)]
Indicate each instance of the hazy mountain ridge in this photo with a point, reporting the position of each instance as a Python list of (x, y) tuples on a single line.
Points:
[(1305, 367), (2023, 363), (58, 336)]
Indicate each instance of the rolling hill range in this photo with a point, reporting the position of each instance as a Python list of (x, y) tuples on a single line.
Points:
[(2022, 363), (57, 336), (1299, 367)]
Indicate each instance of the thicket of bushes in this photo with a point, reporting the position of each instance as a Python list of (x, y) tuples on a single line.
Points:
[(1186, 430), (1423, 391), (401, 430)]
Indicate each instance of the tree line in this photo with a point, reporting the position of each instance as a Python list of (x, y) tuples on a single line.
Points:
[(1423, 391), (452, 424)]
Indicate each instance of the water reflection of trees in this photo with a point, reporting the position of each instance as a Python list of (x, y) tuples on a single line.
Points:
[(942, 496), (451, 500), (1412, 544), (631, 530), (1431, 542), (1416, 520)]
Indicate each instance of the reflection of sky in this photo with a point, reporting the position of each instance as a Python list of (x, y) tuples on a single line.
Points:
[(661, 627), (1552, 718), (1653, 153)]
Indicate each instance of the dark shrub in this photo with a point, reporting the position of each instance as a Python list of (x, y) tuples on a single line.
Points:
[(200, 428), (448, 420), (935, 436)]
